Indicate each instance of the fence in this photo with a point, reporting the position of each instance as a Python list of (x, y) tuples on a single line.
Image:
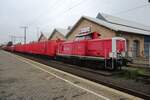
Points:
[(141, 61)]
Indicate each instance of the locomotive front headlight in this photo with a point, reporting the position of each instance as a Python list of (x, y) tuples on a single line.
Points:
[(112, 54), (123, 54)]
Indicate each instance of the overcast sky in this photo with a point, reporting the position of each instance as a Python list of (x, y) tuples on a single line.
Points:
[(45, 15)]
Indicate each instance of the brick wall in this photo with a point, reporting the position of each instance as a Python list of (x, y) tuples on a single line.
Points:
[(56, 35), (94, 27), (105, 32), (131, 38), (43, 38)]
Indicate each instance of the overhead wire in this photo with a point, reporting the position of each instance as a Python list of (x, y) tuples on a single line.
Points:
[(70, 8), (121, 12), (51, 6), (83, 1), (132, 9)]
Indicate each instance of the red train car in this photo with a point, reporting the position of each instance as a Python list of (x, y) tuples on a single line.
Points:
[(86, 47), (79, 48), (40, 48), (48, 48), (18, 47), (8, 48), (51, 47), (65, 48)]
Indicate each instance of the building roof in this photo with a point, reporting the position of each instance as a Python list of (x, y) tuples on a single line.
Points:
[(117, 24), (121, 21), (61, 31), (41, 37)]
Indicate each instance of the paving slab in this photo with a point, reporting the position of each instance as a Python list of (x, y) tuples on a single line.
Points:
[(23, 79)]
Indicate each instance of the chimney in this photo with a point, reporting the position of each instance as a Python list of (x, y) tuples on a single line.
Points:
[(69, 28)]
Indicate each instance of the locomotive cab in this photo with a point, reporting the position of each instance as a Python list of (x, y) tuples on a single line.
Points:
[(118, 53), (118, 47)]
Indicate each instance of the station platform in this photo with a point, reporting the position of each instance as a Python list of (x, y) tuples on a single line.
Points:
[(24, 79)]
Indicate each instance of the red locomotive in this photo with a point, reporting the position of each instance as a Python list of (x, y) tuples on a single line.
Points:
[(87, 46), (110, 52)]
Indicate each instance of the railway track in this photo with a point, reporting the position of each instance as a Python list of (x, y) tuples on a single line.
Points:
[(98, 77)]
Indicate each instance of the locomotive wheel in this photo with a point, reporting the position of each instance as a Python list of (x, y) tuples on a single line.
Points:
[(109, 65)]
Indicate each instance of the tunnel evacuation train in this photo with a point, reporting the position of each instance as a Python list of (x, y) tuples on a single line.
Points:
[(86, 47)]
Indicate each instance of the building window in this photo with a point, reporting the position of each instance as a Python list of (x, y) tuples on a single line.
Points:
[(119, 34), (146, 49), (127, 44), (136, 48)]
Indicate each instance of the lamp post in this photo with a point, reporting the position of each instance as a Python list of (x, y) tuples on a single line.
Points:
[(25, 31)]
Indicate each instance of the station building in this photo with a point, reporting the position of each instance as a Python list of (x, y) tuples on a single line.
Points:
[(42, 38), (137, 35), (58, 33)]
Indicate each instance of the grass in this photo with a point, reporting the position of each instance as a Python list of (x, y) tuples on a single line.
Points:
[(133, 73)]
